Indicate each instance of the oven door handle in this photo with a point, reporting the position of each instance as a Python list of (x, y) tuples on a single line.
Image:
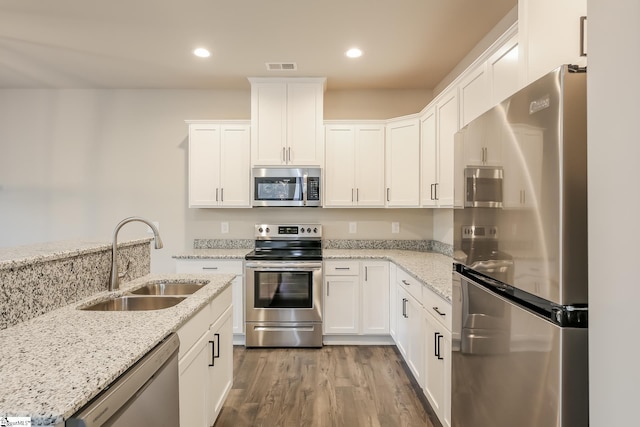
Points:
[(280, 266)]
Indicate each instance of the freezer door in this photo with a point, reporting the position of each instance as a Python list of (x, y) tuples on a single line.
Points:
[(511, 367)]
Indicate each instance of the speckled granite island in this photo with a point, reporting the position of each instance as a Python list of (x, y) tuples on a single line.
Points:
[(55, 363)]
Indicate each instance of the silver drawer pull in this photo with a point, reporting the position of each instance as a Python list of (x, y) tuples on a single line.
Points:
[(283, 328), (343, 268), (438, 311), (405, 282), (209, 268)]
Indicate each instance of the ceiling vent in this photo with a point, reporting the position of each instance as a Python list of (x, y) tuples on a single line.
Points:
[(281, 66)]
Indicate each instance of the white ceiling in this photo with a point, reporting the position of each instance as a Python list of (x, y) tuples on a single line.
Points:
[(407, 44)]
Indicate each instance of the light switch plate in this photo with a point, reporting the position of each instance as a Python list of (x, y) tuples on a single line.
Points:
[(224, 227), (395, 227), (353, 227)]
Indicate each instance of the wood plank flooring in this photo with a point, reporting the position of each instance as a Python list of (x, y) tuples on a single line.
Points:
[(333, 386)]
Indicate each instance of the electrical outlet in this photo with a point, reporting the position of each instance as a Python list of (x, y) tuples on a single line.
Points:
[(224, 227), (395, 227), (353, 227)]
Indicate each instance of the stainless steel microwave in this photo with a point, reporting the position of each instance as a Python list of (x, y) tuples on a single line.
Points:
[(286, 186), (483, 186)]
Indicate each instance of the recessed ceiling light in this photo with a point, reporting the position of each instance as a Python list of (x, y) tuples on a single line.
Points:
[(202, 52), (354, 53)]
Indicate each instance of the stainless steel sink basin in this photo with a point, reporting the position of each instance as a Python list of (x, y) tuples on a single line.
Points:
[(135, 303), (168, 289)]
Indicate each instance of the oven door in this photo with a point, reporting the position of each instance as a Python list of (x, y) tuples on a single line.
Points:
[(284, 291)]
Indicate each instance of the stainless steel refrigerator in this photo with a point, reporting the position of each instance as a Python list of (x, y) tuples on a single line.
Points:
[(519, 342)]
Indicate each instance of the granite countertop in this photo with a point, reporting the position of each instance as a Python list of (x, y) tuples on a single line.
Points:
[(432, 269), (54, 364), (19, 256), (214, 254)]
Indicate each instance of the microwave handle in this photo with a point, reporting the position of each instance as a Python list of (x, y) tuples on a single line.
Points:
[(304, 189)]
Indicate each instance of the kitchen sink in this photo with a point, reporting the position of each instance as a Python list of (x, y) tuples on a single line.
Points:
[(135, 303), (168, 289)]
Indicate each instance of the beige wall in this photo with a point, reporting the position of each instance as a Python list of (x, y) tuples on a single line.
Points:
[(75, 162)]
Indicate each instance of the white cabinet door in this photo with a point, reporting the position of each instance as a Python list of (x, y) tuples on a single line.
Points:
[(437, 374), (504, 71), (204, 160), (220, 366), (549, 39), (219, 171), (415, 351), (429, 159), (375, 297), (403, 163), (369, 165), (234, 165), (354, 171), (339, 171), (474, 94), (268, 123), (447, 126), (341, 305), (286, 121), (193, 390), (304, 124)]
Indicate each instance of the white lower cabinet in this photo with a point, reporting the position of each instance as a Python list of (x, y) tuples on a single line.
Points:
[(216, 266), (356, 298), (437, 360), (205, 362), (409, 334)]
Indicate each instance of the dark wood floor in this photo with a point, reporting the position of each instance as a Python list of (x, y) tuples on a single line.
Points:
[(332, 386)]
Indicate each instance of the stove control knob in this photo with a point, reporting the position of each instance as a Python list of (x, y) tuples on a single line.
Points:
[(260, 230), (315, 230), (308, 230), (301, 230), (268, 229)]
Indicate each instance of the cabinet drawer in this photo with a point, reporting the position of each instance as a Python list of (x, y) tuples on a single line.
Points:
[(341, 268), (209, 266), (438, 307), (220, 304), (410, 284)]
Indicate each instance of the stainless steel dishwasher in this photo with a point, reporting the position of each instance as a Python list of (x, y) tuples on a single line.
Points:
[(145, 395)]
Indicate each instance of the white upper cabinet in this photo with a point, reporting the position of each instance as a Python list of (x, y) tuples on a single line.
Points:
[(503, 71), (438, 125), (475, 96), (219, 171), (286, 121), (403, 163), (549, 33), (354, 170)]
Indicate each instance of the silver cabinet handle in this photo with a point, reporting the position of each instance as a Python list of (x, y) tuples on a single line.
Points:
[(343, 268), (432, 191), (387, 194), (284, 158), (209, 268), (217, 194), (366, 274), (289, 154), (328, 284), (357, 194), (222, 194), (405, 282), (352, 195), (583, 20), (435, 186)]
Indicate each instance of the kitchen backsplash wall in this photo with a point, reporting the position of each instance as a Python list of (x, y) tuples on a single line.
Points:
[(415, 224), (44, 279)]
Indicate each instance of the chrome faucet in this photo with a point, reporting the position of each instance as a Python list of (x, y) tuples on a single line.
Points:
[(114, 280)]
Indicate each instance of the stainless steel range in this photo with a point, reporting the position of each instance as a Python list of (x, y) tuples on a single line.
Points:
[(284, 286)]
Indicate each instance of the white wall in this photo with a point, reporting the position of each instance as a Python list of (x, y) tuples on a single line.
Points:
[(613, 158), (75, 162)]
